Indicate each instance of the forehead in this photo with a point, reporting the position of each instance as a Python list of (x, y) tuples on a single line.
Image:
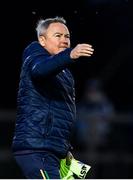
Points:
[(57, 28)]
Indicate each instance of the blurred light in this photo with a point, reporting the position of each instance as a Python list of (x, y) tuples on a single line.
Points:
[(33, 12)]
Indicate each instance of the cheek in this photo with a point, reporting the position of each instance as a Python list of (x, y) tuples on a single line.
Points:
[(55, 47), (55, 44)]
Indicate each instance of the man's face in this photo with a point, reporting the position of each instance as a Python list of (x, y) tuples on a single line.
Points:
[(56, 38)]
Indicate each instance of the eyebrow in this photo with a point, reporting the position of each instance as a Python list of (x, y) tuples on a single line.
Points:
[(61, 34)]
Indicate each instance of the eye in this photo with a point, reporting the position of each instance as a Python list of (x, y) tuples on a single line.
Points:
[(57, 35), (67, 36)]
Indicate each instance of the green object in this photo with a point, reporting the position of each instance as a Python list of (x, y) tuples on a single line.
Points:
[(75, 167), (46, 174)]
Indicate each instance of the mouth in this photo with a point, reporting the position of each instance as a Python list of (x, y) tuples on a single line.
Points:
[(63, 47)]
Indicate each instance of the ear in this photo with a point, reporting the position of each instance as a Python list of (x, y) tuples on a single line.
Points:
[(42, 40)]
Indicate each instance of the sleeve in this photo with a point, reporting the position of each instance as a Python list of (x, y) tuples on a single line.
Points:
[(44, 65)]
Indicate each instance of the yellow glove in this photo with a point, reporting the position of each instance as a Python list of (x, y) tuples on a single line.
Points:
[(71, 166)]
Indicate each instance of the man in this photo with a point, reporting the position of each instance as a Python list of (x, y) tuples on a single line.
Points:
[(46, 100)]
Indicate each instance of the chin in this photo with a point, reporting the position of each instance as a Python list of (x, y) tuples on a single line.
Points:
[(62, 49)]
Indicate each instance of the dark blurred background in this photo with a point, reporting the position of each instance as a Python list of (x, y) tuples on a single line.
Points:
[(104, 86)]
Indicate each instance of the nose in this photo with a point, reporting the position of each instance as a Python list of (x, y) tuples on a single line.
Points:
[(64, 37), (64, 40)]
